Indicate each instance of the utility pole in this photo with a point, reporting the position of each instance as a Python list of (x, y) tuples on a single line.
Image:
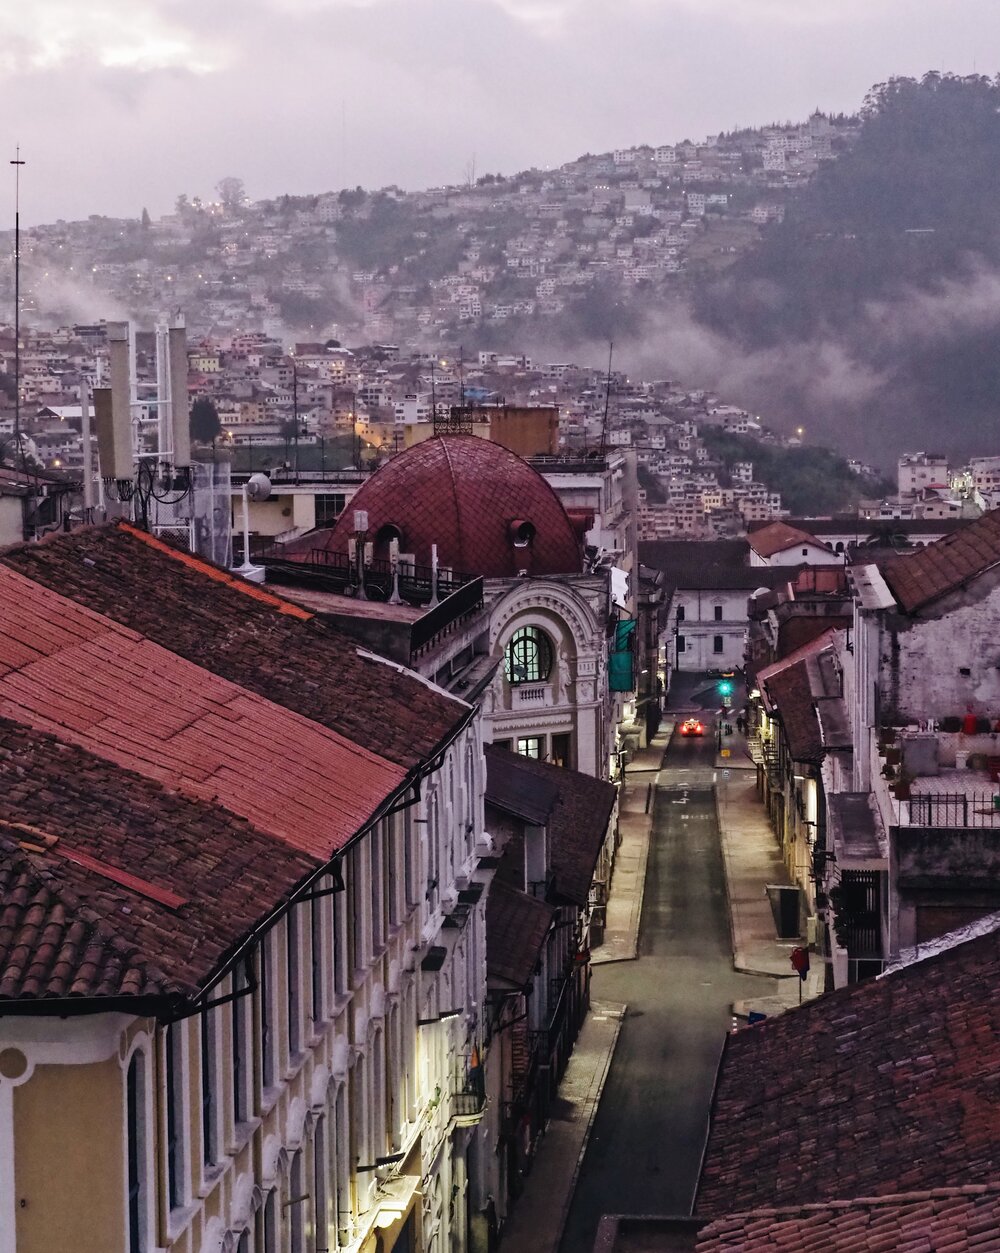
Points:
[(295, 412)]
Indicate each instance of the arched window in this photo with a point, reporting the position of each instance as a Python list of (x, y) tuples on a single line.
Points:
[(528, 656)]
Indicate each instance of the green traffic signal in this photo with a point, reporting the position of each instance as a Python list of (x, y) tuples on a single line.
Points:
[(725, 687)]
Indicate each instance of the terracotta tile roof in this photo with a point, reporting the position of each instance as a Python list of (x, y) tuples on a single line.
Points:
[(96, 684), (461, 493), (516, 927), (713, 565), (797, 631), (884, 1087), (918, 578), (111, 885), (232, 629), (790, 695), (577, 823), (960, 1219), (809, 649), (530, 797), (778, 537)]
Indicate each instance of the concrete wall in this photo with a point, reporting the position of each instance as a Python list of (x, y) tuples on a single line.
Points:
[(698, 626), (921, 660), (67, 1121), (11, 520)]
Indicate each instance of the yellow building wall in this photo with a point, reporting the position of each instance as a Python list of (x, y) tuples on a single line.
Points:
[(268, 517), (69, 1165)]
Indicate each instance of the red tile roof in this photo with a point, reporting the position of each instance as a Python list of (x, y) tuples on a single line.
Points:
[(960, 1219), (797, 631), (789, 694), (778, 537), (241, 633), (75, 673), (888, 1086), (461, 493), (111, 885), (918, 578), (577, 822), (516, 927), (809, 649)]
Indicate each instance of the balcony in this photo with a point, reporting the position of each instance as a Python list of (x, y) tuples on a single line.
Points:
[(532, 696), (468, 1102)]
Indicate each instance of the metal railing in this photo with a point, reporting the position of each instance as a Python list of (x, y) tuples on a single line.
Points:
[(339, 572), (950, 809)]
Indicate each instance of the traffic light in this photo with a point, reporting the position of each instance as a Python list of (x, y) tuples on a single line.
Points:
[(725, 687)]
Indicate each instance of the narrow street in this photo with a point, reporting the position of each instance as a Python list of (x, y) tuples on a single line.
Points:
[(647, 1140)]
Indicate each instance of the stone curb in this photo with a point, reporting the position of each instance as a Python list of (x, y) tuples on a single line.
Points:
[(608, 1007)]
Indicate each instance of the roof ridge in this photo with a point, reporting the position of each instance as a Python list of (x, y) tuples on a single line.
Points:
[(956, 1191), (213, 571)]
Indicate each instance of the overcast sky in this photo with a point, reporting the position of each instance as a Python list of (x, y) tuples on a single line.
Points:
[(120, 104)]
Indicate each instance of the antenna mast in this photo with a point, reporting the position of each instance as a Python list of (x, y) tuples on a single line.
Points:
[(17, 163), (607, 401)]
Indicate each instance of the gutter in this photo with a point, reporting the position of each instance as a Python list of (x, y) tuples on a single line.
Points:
[(171, 1007), (711, 1117)]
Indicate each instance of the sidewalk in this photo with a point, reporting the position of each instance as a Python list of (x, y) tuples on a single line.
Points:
[(537, 1220), (752, 860), (624, 910)]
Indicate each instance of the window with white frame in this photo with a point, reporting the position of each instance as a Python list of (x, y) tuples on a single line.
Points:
[(411, 859), (240, 1048), (359, 910), (317, 958), (268, 1041), (393, 861), (135, 1152), (341, 1172), (176, 1131), (268, 1237), (532, 746), (296, 1204), (209, 1089), (293, 961), (339, 906), (433, 867), (376, 882), (320, 1188)]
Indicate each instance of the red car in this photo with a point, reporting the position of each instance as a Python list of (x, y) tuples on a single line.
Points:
[(692, 727)]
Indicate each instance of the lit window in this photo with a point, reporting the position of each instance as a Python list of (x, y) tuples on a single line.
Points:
[(528, 656), (530, 746)]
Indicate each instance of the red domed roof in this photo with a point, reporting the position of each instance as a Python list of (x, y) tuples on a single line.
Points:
[(487, 510)]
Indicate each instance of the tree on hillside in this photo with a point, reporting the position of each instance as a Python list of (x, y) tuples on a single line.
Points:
[(231, 192), (204, 420)]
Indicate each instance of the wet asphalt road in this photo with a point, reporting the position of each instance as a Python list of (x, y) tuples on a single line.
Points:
[(646, 1144)]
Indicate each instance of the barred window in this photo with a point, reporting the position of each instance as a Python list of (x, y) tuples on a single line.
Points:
[(528, 656)]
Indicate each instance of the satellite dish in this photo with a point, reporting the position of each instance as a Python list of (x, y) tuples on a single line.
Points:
[(258, 487), (761, 591)]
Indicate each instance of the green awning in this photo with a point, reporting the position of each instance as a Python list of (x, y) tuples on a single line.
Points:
[(621, 664)]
